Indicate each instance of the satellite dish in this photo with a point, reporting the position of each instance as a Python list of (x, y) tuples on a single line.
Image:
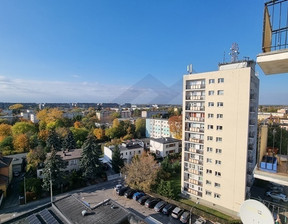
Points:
[(252, 211)]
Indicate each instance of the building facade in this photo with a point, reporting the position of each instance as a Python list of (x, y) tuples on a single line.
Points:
[(219, 135), (162, 147), (157, 128)]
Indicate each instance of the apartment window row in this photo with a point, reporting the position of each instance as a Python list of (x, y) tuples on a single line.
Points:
[(219, 92), (219, 116), (219, 104), (218, 139), (208, 182), (217, 173), (216, 195), (219, 80), (217, 162), (218, 127), (217, 150)]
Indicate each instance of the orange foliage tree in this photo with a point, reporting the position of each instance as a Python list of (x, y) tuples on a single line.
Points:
[(21, 143), (5, 131), (175, 125)]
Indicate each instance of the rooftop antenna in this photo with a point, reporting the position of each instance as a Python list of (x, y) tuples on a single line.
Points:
[(189, 69), (224, 57), (234, 51)]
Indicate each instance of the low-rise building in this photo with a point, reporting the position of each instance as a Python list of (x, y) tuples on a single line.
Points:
[(6, 174), (18, 162), (164, 146), (72, 157), (127, 150)]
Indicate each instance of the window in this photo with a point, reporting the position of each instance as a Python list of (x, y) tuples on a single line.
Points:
[(219, 151), (209, 160), (219, 116), (210, 138), (209, 193), (218, 162), (220, 92), (211, 93), (210, 104), (208, 182), (211, 81), (208, 171), (220, 104), (73, 162), (210, 115), (220, 80), (218, 139), (210, 127), (219, 128), (209, 149), (217, 184), (217, 174), (217, 195)]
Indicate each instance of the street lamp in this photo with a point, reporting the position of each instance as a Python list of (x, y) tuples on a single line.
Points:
[(190, 220), (51, 193)]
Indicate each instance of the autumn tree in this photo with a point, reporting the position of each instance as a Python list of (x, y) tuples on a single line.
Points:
[(16, 108), (21, 143), (117, 160), (53, 168), (6, 145), (140, 126), (175, 125), (47, 116), (80, 135), (99, 133), (5, 131), (90, 164), (34, 157), (142, 172)]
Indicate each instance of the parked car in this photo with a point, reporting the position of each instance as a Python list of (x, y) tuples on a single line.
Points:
[(159, 206), (168, 209), (122, 190), (138, 195), (185, 217), (151, 202), (130, 193), (143, 199), (200, 221), (118, 187), (277, 196), (177, 212)]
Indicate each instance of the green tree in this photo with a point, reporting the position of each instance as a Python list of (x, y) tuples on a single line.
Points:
[(69, 141), (16, 108), (53, 141), (53, 167), (140, 126), (90, 164), (80, 134), (24, 127), (117, 161), (32, 185), (166, 189), (6, 145)]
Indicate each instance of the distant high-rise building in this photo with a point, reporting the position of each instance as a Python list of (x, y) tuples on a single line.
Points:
[(220, 135)]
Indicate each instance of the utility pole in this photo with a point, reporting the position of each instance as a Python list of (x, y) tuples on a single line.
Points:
[(24, 190)]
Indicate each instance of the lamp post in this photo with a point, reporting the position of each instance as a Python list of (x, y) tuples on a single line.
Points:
[(190, 220), (24, 190), (51, 193)]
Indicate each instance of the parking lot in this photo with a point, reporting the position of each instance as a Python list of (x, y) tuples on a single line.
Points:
[(98, 196)]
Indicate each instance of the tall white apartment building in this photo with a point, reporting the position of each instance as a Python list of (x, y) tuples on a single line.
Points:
[(219, 135)]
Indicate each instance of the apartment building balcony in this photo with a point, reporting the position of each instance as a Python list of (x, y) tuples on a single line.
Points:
[(196, 140), (274, 59), (196, 119), (197, 130), (198, 151), (251, 134), (194, 192), (195, 161), (196, 98), (195, 182), (201, 108), (196, 86)]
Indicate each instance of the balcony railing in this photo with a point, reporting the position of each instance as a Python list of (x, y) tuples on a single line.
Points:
[(198, 151), (196, 161), (198, 119), (198, 130), (196, 140), (196, 86), (201, 108), (195, 97)]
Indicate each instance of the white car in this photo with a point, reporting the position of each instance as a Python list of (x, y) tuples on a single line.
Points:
[(277, 196), (200, 221), (118, 186)]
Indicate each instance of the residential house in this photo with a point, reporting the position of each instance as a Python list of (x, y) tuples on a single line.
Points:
[(6, 174), (164, 146)]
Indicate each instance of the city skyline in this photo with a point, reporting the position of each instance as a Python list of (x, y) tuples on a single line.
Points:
[(78, 52)]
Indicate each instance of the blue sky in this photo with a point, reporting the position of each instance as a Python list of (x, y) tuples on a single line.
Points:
[(94, 51)]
